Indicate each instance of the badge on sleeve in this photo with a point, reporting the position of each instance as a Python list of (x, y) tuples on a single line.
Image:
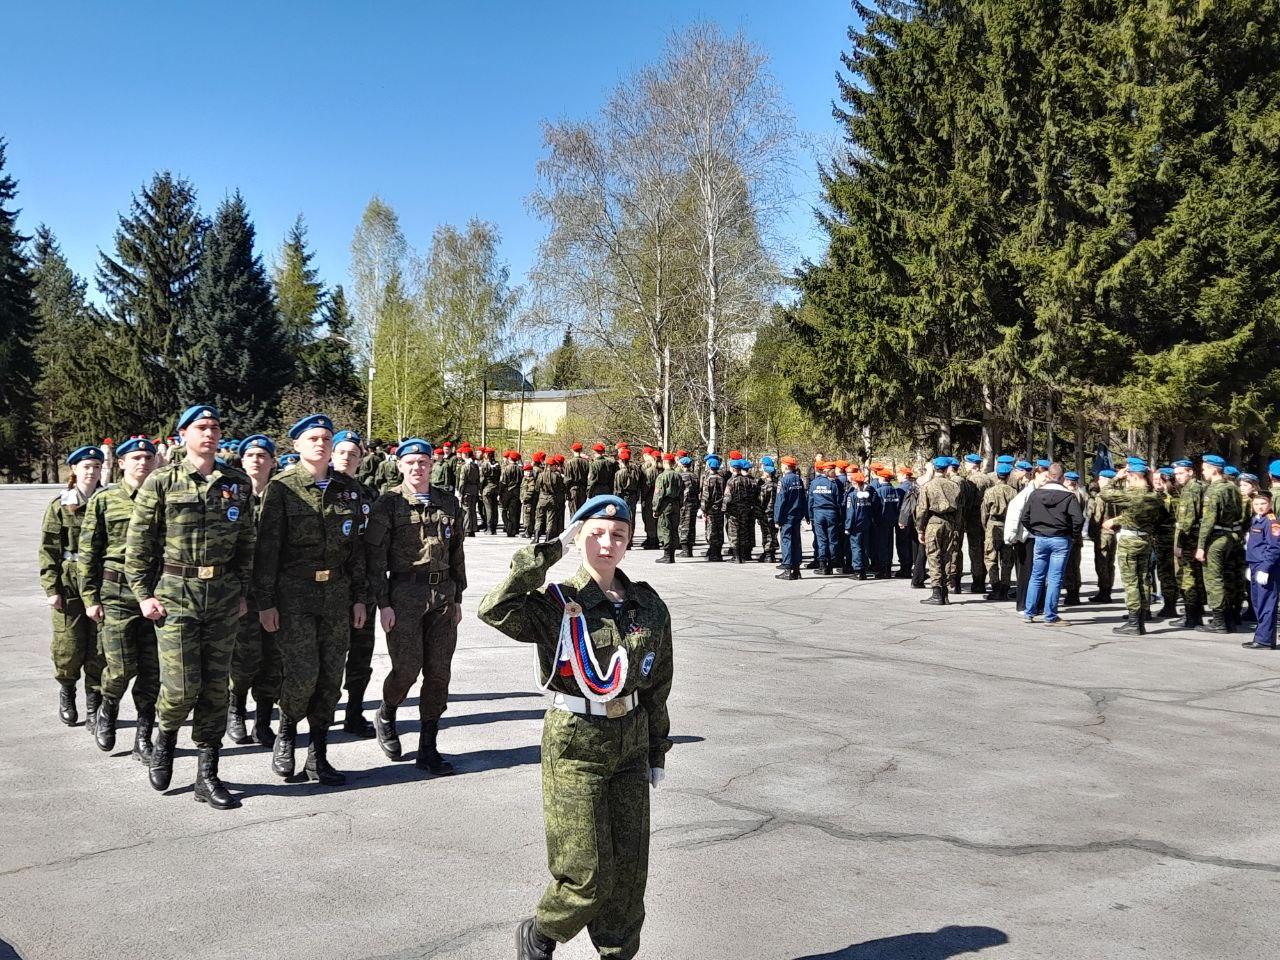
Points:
[(365, 508), (346, 528), (448, 531), (646, 664), (233, 514)]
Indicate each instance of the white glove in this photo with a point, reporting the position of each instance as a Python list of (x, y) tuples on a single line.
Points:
[(567, 538), (656, 776), (1261, 578)]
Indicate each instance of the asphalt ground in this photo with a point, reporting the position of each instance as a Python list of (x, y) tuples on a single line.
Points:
[(856, 777)]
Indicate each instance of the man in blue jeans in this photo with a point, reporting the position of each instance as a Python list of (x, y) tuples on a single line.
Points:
[(1054, 517)]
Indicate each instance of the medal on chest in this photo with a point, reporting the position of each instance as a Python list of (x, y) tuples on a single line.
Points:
[(576, 653)]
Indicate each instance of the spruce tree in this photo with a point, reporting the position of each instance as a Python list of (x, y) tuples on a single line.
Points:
[(238, 352), (331, 363), (18, 368), (299, 295)]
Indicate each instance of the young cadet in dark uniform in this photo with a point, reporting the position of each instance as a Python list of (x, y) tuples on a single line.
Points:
[(75, 637), (576, 469), (509, 480), (789, 509), (416, 567), (668, 492), (768, 492), (309, 580), (712, 494), (128, 639), (688, 506), (188, 557), (741, 501), (1262, 555), (605, 740), (347, 454), (490, 473)]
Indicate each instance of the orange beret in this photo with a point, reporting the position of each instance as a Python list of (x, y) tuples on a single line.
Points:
[(842, 464), (789, 461), (735, 455), (859, 476)]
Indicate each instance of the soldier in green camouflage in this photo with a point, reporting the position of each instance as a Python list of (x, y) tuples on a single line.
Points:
[(938, 520), (188, 557), (490, 473), (971, 517), (1104, 539), (576, 469), (509, 480), (1186, 535), (309, 580), (600, 472), (740, 502), (347, 453), (1136, 514), (528, 499), (127, 638), (388, 474), (417, 571), (255, 664), (466, 481), (768, 485), (649, 470), (1166, 571), (712, 494), (605, 740), (688, 506), (998, 555), (75, 647), (668, 492), (551, 499), (1219, 540), (627, 483)]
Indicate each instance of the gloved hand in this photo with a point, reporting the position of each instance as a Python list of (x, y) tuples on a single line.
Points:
[(656, 776), (1261, 578), (567, 538)]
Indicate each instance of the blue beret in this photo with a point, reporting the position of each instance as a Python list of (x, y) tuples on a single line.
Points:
[(1006, 458), (1251, 477), (414, 445), (1004, 469), (1214, 460), (941, 463), (1166, 471), (289, 459), (1071, 475), (1135, 462), (1184, 462), (1106, 473), (1274, 468), (1232, 470), (766, 461), (770, 468), (713, 461), (1138, 468), (199, 412), (310, 422), (684, 461), (258, 440), (84, 453), (344, 435), (135, 443), (973, 458), (746, 464), (1044, 464), (605, 506), (1023, 464)]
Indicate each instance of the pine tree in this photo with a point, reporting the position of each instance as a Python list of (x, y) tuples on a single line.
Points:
[(238, 355), (331, 360), (18, 367), (299, 295), (148, 288), (562, 365)]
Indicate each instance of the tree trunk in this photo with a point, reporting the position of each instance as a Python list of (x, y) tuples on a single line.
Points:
[(1178, 443), (990, 429)]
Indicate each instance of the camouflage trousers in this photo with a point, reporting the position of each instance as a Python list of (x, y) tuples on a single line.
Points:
[(1165, 568), (998, 556), (942, 552), (359, 669), (470, 503), (1133, 555), (1223, 559), (511, 516), (75, 646), (1071, 576), (489, 511), (256, 664), (713, 526), (975, 539), (529, 517), (313, 648), (688, 525), (669, 529), (576, 497), (1104, 562), (128, 643), (744, 529), (1190, 577), (195, 642), (650, 522), (550, 519), (421, 643), (595, 801), (768, 534)]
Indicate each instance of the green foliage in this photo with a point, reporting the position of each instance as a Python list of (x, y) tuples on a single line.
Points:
[(18, 368)]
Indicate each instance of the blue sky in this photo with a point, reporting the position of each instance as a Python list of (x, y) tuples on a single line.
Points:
[(314, 107)]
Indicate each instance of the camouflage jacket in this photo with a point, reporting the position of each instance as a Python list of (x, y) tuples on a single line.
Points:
[(1190, 501), (59, 543), (489, 475), (183, 517), (768, 491), (712, 493), (551, 488), (529, 486), (1136, 510), (523, 609), (308, 539), (103, 536), (667, 492), (627, 482), (600, 475), (509, 480), (995, 503), (575, 473), (1219, 510), (939, 499), (405, 535), (466, 476), (741, 496)]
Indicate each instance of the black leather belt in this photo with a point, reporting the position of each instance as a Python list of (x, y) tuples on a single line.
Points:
[(430, 579), (113, 576)]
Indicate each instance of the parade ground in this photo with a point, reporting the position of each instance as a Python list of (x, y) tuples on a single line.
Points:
[(855, 777)]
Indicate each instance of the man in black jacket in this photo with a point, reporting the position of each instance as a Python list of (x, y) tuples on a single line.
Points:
[(1054, 517)]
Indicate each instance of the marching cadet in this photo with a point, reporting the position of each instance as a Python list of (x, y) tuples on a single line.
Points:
[(824, 512), (255, 664), (1186, 539), (529, 500), (75, 637), (418, 573), (466, 473), (689, 498), (188, 557), (605, 740), (649, 471), (997, 554), (347, 453), (938, 519), (576, 469), (768, 486), (599, 473), (1134, 523), (509, 484), (790, 509), (1219, 540), (309, 580), (741, 501), (1104, 539), (667, 495), (1262, 557), (628, 483), (490, 474), (127, 638), (711, 493), (551, 500)]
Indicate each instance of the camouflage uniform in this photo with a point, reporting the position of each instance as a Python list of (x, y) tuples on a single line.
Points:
[(1220, 540), (1187, 539), (1104, 545), (490, 473), (467, 483), (1071, 579), (416, 567), (575, 481), (768, 530), (667, 494), (255, 664), (938, 515), (688, 511), (1165, 570), (190, 545), (976, 484), (595, 769), (75, 646), (650, 472), (997, 555), (626, 484), (551, 500), (509, 496), (1137, 514), (359, 666), (310, 567), (528, 501), (388, 474), (713, 508), (600, 476), (740, 502)]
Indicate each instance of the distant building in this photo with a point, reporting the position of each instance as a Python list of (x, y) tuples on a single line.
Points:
[(544, 410)]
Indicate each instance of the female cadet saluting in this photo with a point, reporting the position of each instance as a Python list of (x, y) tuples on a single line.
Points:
[(604, 647), (75, 636)]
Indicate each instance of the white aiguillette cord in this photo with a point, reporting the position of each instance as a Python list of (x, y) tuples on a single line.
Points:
[(567, 650)]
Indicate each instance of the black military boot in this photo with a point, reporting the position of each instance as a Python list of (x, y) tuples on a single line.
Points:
[(1170, 609), (209, 789), (1100, 598), (788, 574), (531, 944), (954, 585), (996, 592), (429, 758), (355, 723), (1216, 624), (282, 761), (1071, 600), (827, 571), (160, 769), (1192, 616), (714, 556), (105, 732), (318, 767), (668, 556), (67, 712), (237, 707), (142, 748), (384, 726), (92, 702), (937, 597), (979, 586), (687, 552), (262, 731), (764, 557), (1132, 626)]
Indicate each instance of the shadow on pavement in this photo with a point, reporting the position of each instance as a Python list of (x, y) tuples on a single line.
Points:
[(688, 739), (8, 951), (947, 942)]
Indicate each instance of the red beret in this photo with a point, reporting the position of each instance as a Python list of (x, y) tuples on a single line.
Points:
[(624, 454), (789, 461), (528, 466), (735, 455), (575, 446), (670, 457), (539, 456), (598, 447), (682, 453), (558, 458)]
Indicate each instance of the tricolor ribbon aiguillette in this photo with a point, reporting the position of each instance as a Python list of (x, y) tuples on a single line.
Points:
[(575, 654)]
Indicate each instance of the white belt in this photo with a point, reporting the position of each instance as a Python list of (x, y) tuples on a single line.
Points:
[(615, 708)]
